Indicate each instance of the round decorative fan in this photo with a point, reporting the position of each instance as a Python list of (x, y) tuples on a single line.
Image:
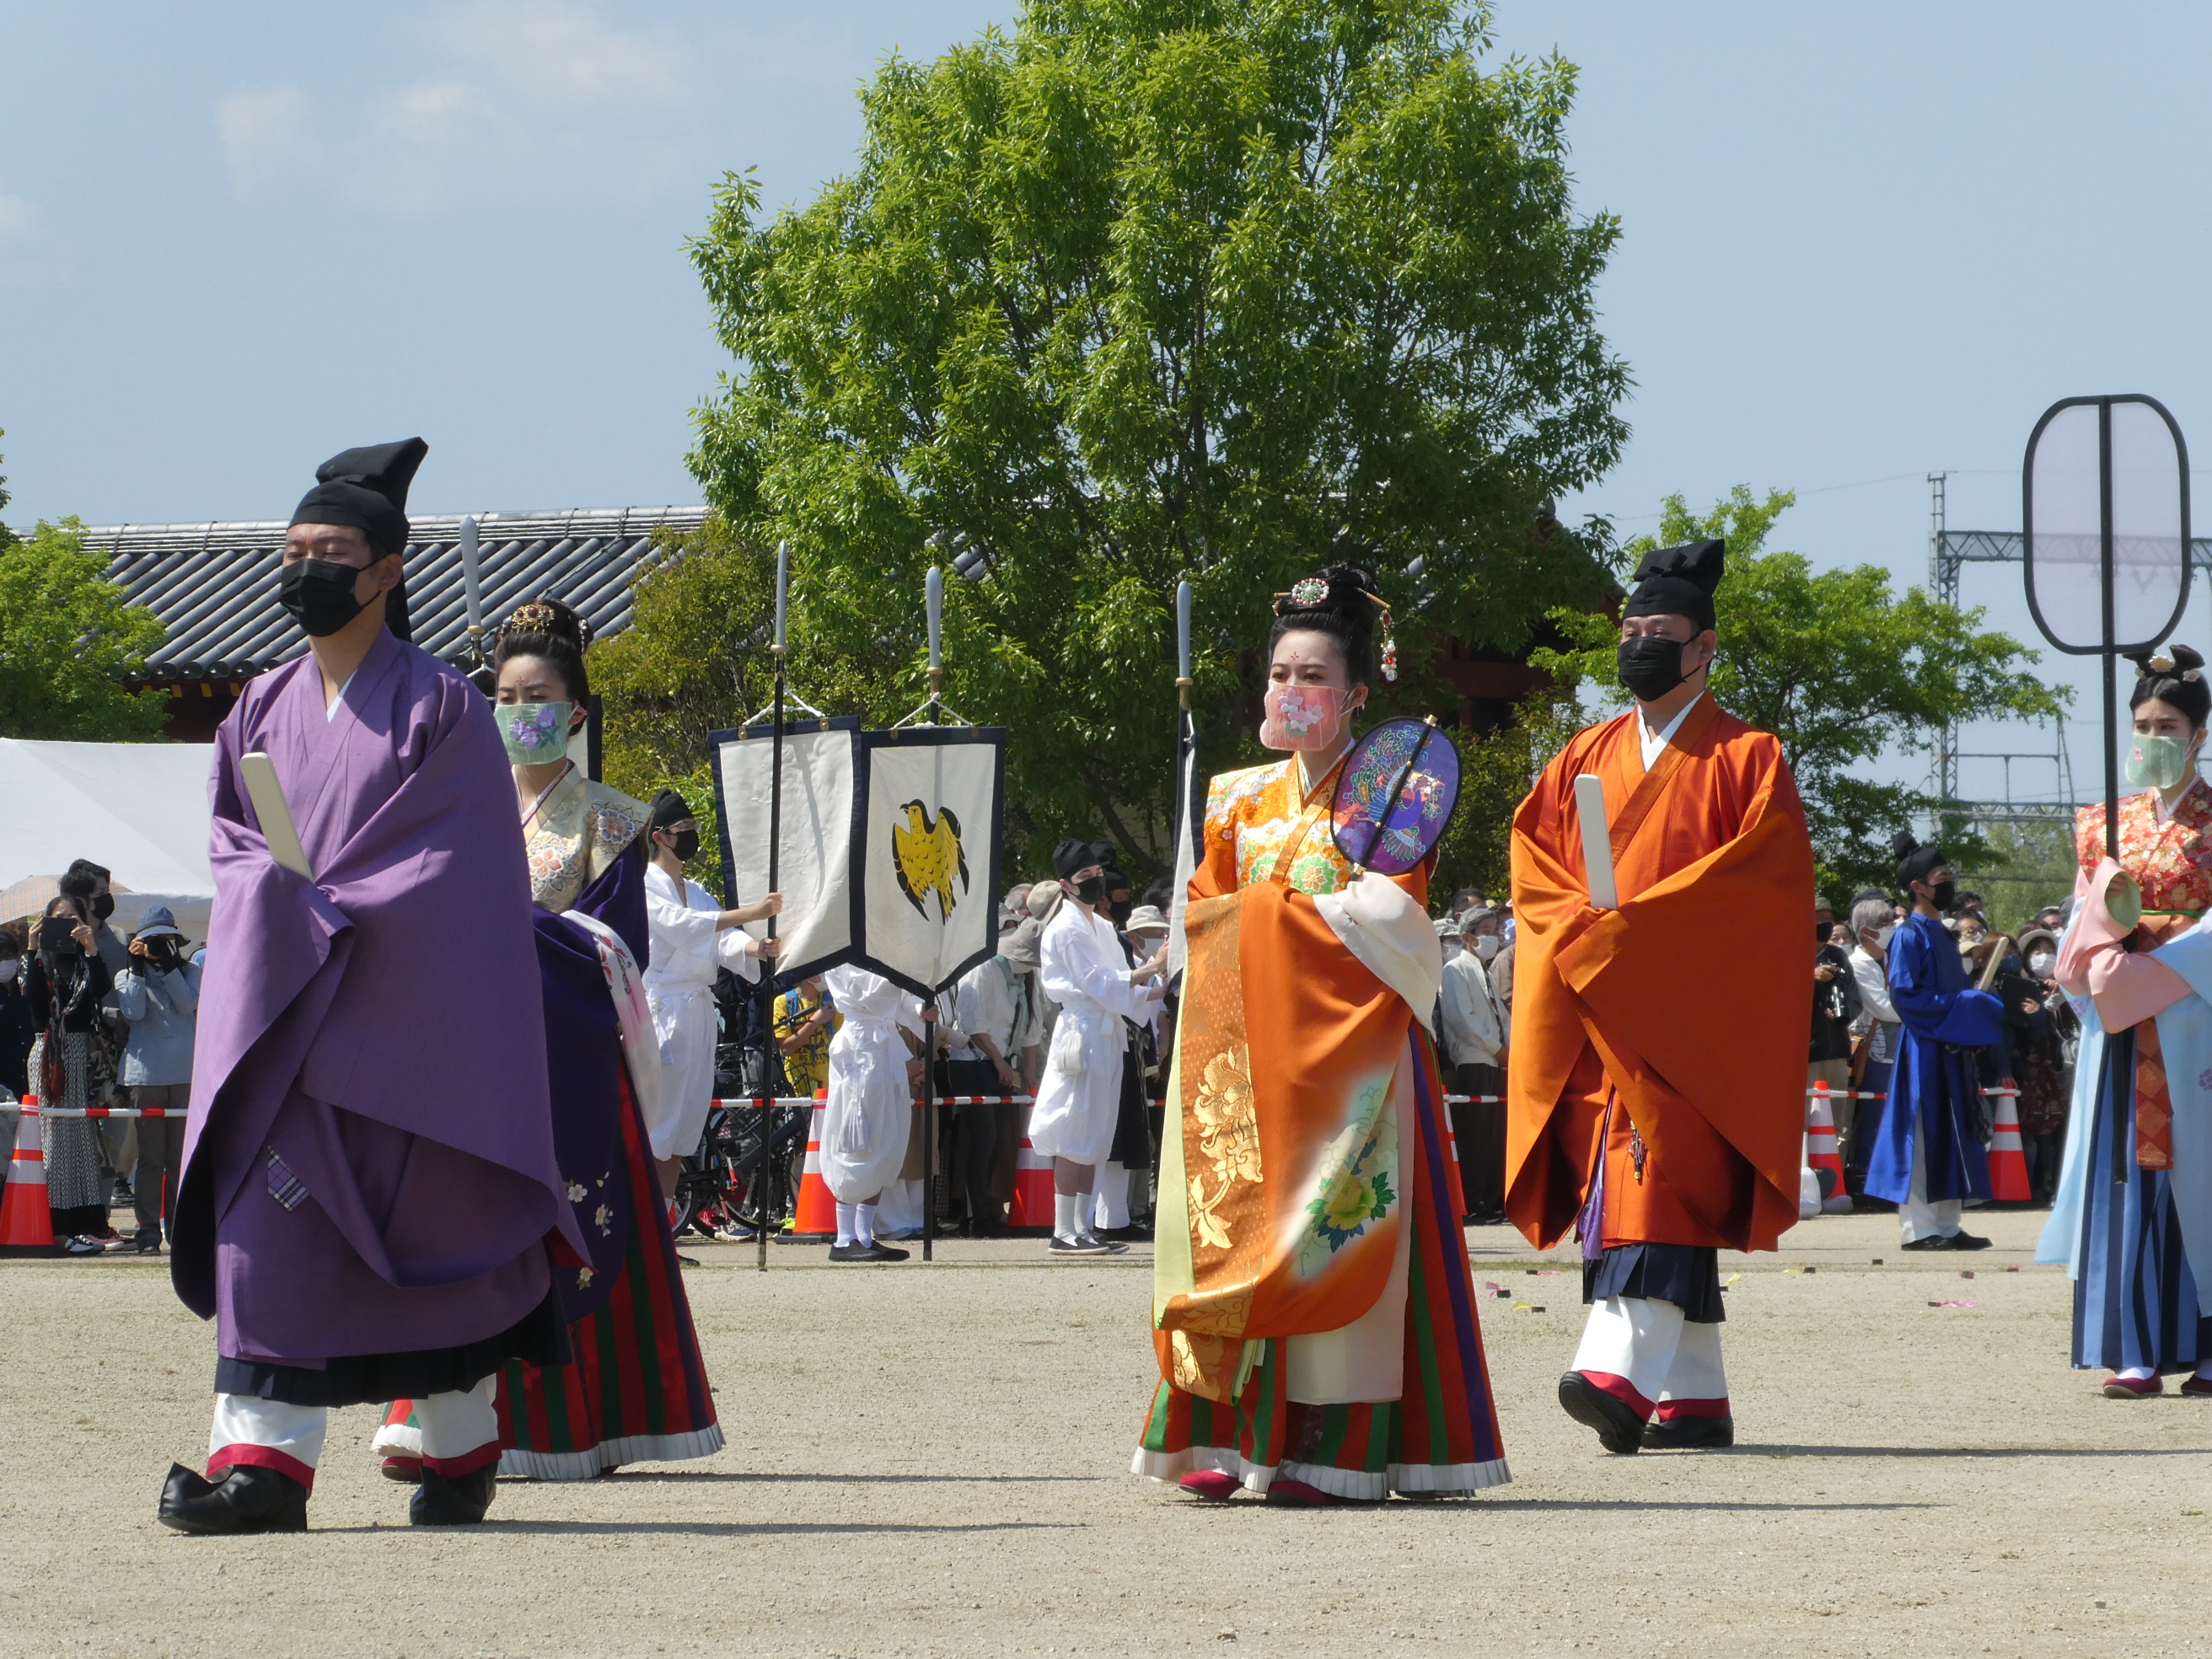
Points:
[(1396, 796)]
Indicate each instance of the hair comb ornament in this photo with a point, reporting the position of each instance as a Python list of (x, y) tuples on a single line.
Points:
[(2161, 663)]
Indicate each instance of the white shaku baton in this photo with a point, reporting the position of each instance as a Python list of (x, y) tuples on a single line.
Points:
[(278, 828), (1597, 841)]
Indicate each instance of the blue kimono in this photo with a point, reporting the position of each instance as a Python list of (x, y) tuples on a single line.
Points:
[(1933, 1085)]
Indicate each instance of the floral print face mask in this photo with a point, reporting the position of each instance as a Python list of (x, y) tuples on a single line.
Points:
[(1303, 716), (534, 733)]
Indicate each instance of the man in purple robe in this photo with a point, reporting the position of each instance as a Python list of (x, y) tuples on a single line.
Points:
[(370, 1191)]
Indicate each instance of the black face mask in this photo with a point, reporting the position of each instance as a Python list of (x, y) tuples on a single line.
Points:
[(1944, 895), (1121, 910), (1092, 890), (687, 846), (319, 595), (1650, 667), (103, 905)]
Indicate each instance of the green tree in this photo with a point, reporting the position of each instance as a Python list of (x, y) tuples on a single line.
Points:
[(1163, 289), (1840, 668), (696, 659), (67, 639)]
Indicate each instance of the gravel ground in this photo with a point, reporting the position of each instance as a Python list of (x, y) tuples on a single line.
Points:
[(930, 1460)]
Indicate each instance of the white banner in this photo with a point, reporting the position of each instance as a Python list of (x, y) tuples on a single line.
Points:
[(815, 862), (928, 859)]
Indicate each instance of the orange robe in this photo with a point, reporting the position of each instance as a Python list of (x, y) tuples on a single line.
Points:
[(1685, 1011)]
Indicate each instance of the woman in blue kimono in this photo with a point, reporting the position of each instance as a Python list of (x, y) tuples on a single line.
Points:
[(2132, 1218)]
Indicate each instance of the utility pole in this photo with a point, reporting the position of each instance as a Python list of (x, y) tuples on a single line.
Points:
[(1943, 586)]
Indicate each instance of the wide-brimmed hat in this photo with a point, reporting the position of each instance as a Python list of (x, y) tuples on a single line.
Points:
[(1019, 946), (1146, 918), (1447, 928), (2033, 936), (158, 923)]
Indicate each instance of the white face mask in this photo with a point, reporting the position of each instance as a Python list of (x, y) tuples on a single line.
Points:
[(1487, 946), (7, 969), (1882, 935), (2040, 964)]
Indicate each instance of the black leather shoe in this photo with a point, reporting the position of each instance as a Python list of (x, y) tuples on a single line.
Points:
[(1934, 1241), (1968, 1242), (1688, 1433), (245, 1500), (1619, 1428), (458, 1502)]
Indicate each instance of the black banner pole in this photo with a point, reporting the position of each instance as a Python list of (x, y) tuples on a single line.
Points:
[(772, 1068)]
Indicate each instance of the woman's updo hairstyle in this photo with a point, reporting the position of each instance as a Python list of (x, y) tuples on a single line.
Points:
[(553, 630), (1343, 603), (2174, 675)]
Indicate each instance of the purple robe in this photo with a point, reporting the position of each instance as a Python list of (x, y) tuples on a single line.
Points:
[(369, 1166)]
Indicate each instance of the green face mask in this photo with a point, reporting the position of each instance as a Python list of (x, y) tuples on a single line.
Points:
[(2157, 761), (534, 733)]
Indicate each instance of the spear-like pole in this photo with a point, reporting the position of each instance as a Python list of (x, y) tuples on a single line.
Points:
[(934, 604), (473, 590), (772, 1071)]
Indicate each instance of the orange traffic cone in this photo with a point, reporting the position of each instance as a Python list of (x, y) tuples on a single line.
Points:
[(1031, 1210), (1822, 1153), (814, 1218), (25, 1228), (2008, 1162)]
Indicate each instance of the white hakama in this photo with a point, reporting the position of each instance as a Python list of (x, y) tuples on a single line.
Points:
[(1081, 967), (679, 986), (869, 1115)]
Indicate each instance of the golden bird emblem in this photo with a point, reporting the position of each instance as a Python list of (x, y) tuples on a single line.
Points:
[(927, 854)]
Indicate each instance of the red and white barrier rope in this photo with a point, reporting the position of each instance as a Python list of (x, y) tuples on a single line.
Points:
[(763, 1103)]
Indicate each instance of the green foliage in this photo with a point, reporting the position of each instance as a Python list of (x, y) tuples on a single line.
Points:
[(1165, 288), (2022, 868), (67, 637), (696, 659), (7, 535), (1841, 669)]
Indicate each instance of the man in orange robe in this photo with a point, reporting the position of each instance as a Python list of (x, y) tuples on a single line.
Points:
[(1658, 1091)]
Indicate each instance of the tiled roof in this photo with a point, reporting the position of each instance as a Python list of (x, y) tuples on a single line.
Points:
[(214, 586)]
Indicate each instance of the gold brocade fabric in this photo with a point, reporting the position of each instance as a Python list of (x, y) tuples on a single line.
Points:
[(579, 830), (1257, 811)]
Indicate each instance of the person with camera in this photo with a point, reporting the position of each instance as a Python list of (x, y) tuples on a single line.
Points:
[(159, 994), (66, 983)]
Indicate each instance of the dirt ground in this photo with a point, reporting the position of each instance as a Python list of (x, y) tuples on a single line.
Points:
[(932, 1460)]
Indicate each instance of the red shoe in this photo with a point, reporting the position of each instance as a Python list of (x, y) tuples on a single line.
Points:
[(2196, 1387), (1280, 1490), (1214, 1485), (2134, 1388), (408, 1471)]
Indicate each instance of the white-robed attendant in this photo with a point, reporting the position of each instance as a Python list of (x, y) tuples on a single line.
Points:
[(869, 1114), (1081, 968), (693, 936)]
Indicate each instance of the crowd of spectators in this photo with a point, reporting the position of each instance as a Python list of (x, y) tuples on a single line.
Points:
[(91, 1019)]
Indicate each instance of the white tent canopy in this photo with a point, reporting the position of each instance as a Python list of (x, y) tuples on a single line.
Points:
[(141, 809)]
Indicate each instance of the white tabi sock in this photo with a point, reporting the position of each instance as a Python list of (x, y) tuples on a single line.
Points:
[(864, 1223), (1112, 1209), (845, 1224), (1063, 1214), (1628, 1347)]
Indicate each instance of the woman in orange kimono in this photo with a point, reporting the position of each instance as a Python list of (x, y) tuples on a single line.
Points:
[(1313, 1317)]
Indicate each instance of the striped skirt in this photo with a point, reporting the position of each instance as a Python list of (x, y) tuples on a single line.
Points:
[(1440, 1437), (2135, 1301), (636, 1391)]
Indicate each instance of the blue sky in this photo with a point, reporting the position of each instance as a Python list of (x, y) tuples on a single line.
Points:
[(1860, 244)]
